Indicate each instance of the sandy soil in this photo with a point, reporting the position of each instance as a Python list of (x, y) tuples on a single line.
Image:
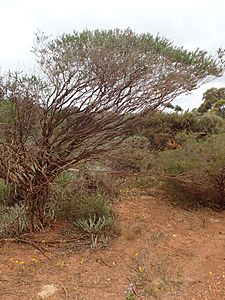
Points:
[(163, 252)]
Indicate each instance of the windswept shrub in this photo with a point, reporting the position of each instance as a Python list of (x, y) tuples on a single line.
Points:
[(195, 173)]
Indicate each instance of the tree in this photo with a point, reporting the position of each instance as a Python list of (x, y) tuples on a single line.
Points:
[(214, 101), (94, 87)]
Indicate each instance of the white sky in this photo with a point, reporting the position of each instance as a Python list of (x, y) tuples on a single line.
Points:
[(189, 23)]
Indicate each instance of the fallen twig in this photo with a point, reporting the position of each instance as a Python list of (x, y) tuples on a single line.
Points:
[(42, 241), (30, 242), (65, 291), (35, 246), (35, 243)]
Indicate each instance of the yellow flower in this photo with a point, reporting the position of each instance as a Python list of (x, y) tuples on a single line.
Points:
[(141, 269)]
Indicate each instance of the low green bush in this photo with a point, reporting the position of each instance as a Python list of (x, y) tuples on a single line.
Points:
[(84, 199), (83, 195), (84, 206), (12, 220), (195, 173)]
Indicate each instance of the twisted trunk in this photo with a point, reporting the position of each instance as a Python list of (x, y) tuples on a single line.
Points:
[(35, 203)]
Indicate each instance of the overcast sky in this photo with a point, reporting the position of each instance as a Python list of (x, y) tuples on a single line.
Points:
[(190, 23)]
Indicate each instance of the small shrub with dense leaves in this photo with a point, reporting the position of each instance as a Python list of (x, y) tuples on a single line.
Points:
[(81, 195), (12, 220), (84, 199)]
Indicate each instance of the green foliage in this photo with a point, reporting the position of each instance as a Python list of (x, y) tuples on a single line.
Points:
[(84, 199), (97, 229), (213, 101), (92, 225), (131, 155), (66, 178), (85, 206), (5, 193), (82, 196), (169, 130), (5, 111), (116, 60), (195, 173), (77, 205), (206, 155), (12, 220), (127, 40)]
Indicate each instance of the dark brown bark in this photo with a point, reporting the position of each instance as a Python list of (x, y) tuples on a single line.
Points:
[(35, 203)]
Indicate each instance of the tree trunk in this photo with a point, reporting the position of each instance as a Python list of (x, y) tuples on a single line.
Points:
[(35, 203)]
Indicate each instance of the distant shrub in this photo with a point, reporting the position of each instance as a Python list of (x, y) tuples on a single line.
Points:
[(195, 173), (131, 155), (168, 130)]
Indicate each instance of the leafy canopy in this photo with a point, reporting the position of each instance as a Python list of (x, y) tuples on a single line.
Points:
[(214, 101)]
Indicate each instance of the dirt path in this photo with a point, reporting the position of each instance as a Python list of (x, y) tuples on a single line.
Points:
[(163, 252)]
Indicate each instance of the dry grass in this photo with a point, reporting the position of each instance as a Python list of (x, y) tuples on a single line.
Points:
[(154, 276), (130, 232)]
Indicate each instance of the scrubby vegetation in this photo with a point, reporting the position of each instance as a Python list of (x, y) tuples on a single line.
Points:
[(101, 111), (195, 173), (180, 152)]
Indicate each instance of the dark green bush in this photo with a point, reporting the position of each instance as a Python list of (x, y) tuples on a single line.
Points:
[(84, 206)]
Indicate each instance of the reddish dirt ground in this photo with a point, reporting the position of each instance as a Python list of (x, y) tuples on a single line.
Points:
[(163, 252)]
